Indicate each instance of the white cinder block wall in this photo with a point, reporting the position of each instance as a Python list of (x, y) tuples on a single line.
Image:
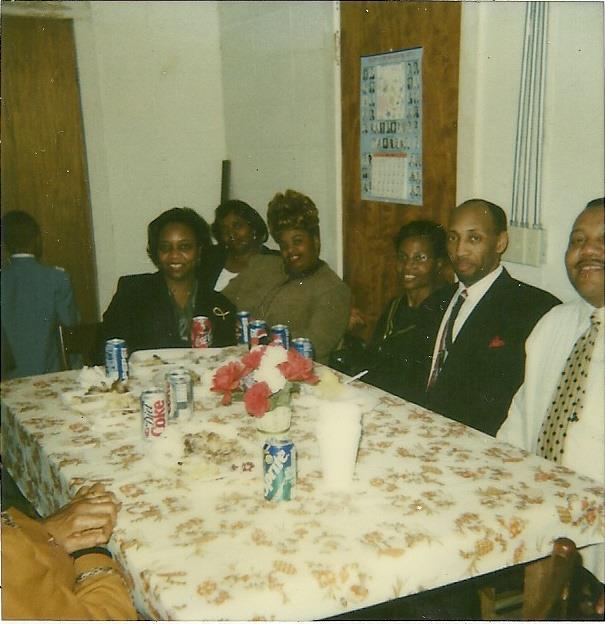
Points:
[(278, 61), (169, 89), (573, 169), (152, 103)]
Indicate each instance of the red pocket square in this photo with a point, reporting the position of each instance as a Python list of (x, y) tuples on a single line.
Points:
[(496, 342)]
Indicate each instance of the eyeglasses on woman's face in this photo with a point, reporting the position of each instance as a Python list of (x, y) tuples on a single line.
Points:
[(417, 258)]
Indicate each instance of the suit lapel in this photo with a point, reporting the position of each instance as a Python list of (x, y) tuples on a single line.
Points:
[(162, 314), (482, 322)]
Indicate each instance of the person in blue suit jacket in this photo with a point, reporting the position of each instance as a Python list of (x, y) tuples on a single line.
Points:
[(35, 299), (154, 310)]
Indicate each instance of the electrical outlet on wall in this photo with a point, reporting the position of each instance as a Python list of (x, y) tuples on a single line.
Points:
[(516, 243), (535, 246), (526, 245)]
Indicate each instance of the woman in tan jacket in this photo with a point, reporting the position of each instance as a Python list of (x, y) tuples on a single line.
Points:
[(298, 289)]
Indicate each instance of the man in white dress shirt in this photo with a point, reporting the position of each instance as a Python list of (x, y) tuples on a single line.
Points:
[(550, 349)]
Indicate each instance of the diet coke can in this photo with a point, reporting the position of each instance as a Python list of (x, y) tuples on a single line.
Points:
[(116, 359), (153, 413), (201, 332), (280, 334)]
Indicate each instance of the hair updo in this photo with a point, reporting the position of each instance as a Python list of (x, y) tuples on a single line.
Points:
[(292, 211)]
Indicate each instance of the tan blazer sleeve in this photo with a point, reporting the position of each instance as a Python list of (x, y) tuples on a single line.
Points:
[(39, 578)]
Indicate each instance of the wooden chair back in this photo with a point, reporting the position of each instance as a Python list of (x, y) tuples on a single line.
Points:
[(546, 588), (78, 340)]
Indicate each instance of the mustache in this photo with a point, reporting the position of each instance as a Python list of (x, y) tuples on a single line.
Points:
[(592, 262)]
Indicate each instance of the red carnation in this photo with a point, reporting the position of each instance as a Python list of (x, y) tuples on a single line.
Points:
[(226, 379), (298, 368), (251, 360), (256, 399)]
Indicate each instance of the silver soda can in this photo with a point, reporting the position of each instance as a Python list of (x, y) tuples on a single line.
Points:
[(153, 413), (116, 359), (304, 347), (280, 334), (176, 369), (180, 395), (242, 328), (279, 469)]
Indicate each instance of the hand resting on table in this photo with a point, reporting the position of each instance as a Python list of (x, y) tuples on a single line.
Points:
[(86, 521)]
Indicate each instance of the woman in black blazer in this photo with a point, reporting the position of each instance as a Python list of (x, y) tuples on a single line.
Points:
[(240, 233), (154, 310)]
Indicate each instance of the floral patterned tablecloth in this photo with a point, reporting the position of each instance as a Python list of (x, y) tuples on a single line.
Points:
[(433, 502)]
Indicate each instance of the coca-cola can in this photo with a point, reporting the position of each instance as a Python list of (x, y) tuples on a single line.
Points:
[(153, 413), (201, 332)]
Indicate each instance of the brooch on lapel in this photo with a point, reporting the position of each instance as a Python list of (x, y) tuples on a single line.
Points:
[(220, 313), (496, 342)]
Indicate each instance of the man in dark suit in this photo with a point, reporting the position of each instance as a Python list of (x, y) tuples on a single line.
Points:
[(479, 357)]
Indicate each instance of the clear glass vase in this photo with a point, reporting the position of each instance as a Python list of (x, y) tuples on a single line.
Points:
[(275, 421)]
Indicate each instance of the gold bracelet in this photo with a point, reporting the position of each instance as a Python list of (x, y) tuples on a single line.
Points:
[(95, 572)]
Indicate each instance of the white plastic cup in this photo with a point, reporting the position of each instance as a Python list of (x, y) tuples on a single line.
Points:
[(338, 432)]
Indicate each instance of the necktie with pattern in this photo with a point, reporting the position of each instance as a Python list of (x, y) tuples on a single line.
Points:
[(445, 344), (569, 396)]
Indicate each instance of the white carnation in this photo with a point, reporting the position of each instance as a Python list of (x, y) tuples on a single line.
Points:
[(274, 355), (271, 375)]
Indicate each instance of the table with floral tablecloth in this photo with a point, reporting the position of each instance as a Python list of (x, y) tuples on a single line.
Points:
[(433, 502)]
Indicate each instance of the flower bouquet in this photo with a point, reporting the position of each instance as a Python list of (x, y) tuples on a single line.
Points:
[(265, 378)]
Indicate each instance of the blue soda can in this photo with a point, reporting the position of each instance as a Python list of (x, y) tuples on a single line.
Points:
[(279, 469), (179, 394), (280, 334), (304, 347), (258, 333), (242, 328), (116, 359)]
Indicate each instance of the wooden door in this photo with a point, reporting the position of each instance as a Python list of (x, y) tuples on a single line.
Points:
[(369, 227), (43, 161)]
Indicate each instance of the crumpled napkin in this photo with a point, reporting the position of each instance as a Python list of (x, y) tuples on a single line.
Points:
[(94, 376)]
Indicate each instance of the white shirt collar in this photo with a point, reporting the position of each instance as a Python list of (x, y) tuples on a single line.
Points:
[(475, 291)]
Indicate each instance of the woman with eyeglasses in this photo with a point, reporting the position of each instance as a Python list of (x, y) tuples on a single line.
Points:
[(400, 351)]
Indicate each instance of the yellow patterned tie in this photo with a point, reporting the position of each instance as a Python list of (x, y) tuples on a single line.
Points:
[(569, 396)]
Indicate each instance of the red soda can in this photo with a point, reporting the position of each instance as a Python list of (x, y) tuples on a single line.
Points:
[(201, 332), (153, 413)]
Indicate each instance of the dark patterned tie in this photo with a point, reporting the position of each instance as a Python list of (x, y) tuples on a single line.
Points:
[(569, 396), (445, 344)]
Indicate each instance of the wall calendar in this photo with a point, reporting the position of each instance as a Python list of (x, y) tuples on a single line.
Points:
[(391, 127)]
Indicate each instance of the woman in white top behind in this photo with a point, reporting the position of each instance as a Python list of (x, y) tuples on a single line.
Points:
[(240, 233)]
